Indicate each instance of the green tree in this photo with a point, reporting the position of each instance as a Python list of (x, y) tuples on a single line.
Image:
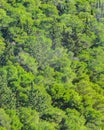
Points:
[(5, 121), (55, 116), (29, 118), (74, 121), (7, 98), (93, 119), (2, 45), (39, 99), (15, 121), (45, 125)]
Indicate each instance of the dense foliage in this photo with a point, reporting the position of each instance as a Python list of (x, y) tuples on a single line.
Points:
[(51, 65)]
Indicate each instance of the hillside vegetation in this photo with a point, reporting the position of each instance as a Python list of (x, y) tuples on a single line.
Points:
[(51, 65)]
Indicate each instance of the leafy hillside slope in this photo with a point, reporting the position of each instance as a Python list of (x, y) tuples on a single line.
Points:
[(51, 65)]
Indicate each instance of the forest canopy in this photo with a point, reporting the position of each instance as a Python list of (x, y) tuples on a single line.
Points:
[(51, 65)]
